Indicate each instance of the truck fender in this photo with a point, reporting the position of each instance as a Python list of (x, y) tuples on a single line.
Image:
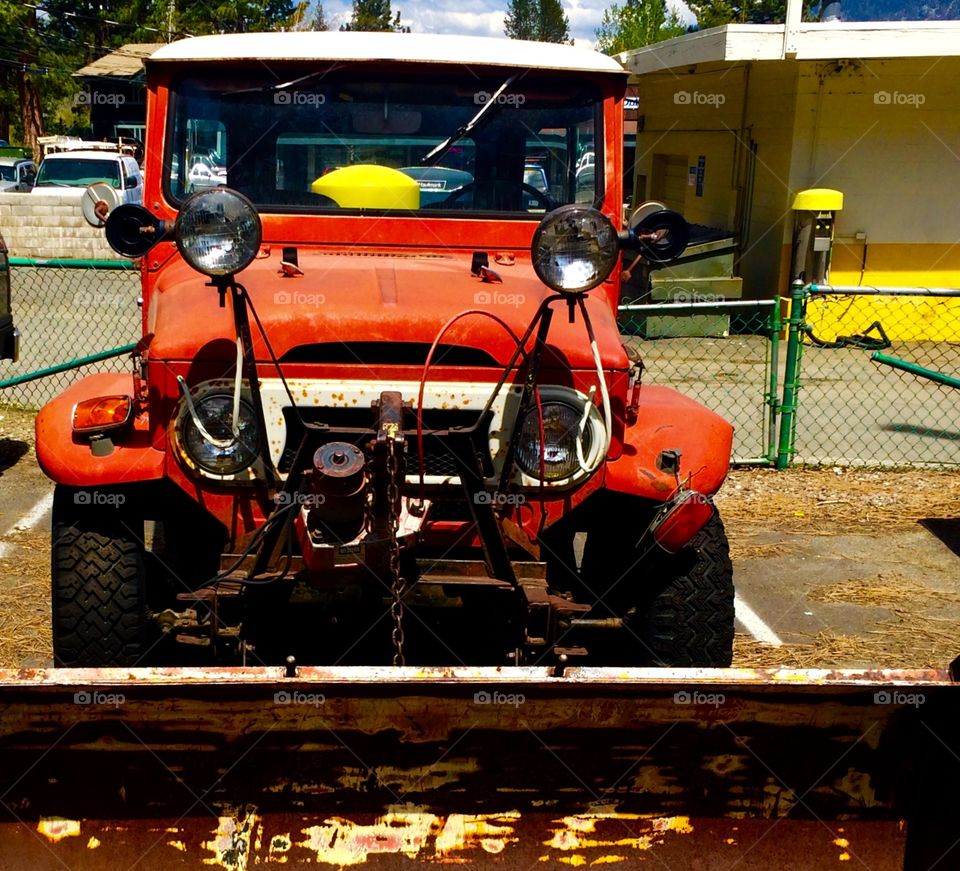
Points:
[(668, 420), (67, 459)]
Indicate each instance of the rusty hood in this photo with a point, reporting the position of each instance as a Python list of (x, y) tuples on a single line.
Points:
[(349, 295)]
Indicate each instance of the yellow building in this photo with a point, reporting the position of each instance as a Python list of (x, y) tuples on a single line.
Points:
[(735, 120)]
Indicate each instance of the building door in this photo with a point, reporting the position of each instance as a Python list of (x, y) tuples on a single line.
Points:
[(669, 182)]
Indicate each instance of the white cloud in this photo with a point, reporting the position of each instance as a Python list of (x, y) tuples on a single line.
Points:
[(485, 17)]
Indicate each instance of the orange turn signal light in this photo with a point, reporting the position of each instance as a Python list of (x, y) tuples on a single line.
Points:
[(102, 414), (680, 520)]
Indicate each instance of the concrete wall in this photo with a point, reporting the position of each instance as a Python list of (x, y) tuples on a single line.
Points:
[(50, 226)]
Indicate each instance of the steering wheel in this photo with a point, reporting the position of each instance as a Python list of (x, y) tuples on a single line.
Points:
[(545, 200)]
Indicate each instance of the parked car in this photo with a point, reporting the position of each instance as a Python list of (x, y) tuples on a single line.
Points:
[(9, 334), (77, 170), (17, 174)]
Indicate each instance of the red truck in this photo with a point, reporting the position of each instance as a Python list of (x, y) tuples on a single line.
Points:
[(381, 410)]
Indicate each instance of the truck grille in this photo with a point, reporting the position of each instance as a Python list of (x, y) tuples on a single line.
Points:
[(437, 457)]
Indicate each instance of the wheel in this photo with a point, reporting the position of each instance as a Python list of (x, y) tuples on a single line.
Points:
[(98, 596), (677, 608)]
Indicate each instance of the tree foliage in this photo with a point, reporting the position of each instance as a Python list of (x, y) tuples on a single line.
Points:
[(42, 45), (374, 15), (541, 20), (637, 23)]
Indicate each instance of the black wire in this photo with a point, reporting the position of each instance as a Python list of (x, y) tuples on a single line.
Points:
[(273, 356), (254, 542)]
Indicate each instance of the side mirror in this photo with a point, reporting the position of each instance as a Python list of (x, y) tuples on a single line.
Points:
[(132, 231), (130, 182), (658, 234)]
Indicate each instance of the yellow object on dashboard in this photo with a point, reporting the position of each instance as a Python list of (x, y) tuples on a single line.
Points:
[(367, 186)]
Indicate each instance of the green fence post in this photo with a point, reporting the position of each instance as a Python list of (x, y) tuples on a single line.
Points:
[(772, 398), (791, 374)]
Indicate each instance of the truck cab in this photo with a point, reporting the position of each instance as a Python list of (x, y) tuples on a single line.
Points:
[(381, 410)]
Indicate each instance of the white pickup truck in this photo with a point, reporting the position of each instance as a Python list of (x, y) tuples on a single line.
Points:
[(77, 170)]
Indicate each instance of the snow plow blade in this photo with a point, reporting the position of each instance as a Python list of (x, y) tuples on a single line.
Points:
[(508, 768)]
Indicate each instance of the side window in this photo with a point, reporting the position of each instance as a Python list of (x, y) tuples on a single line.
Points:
[(200, 161)]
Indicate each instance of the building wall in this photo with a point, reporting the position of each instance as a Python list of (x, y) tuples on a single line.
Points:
[(50, 226), (770, 128), (885, 132), (889, 138), (686, 117)]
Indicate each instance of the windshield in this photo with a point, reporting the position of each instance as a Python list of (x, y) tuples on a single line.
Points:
[(7, 173), (276, 143), (78, 172)]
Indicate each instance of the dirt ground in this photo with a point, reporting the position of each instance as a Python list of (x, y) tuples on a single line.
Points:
[(847, 567)]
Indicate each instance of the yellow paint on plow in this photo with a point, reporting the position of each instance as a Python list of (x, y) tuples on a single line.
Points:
[(342, 842), (231, 840), (843, 843), (576, 831), (57, 828), (465, 831)]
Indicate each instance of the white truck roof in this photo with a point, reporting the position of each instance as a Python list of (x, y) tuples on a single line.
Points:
[(400, 47)]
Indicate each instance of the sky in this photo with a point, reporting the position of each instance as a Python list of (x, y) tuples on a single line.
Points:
[(480, 17)]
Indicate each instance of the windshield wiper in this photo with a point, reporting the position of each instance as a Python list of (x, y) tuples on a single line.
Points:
[(282, 86), (450, 141)]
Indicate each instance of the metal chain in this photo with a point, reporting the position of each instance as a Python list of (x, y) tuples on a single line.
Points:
[(396, 582)]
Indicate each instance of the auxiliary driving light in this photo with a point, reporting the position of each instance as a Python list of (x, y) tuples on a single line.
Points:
[(218, 232), (574, 249)]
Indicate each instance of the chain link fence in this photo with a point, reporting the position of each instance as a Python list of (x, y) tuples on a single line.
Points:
[(725, 355), (879, 377), (870, 376), (67, 310)]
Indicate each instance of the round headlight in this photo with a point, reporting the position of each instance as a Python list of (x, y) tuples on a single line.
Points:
[(218, 231), (229, 454), (574, 249), (561, 429)]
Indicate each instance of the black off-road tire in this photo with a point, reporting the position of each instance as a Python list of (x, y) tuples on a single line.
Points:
[(98, 596), (678, 608), (689, 622)]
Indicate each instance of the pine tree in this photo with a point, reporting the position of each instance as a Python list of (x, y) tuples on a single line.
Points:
[(542, 20), (637, 23), (374, 15), (713, 13), (319, 20)]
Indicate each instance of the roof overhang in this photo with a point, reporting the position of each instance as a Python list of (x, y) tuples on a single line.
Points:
[(387, 47), (734, 43)]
